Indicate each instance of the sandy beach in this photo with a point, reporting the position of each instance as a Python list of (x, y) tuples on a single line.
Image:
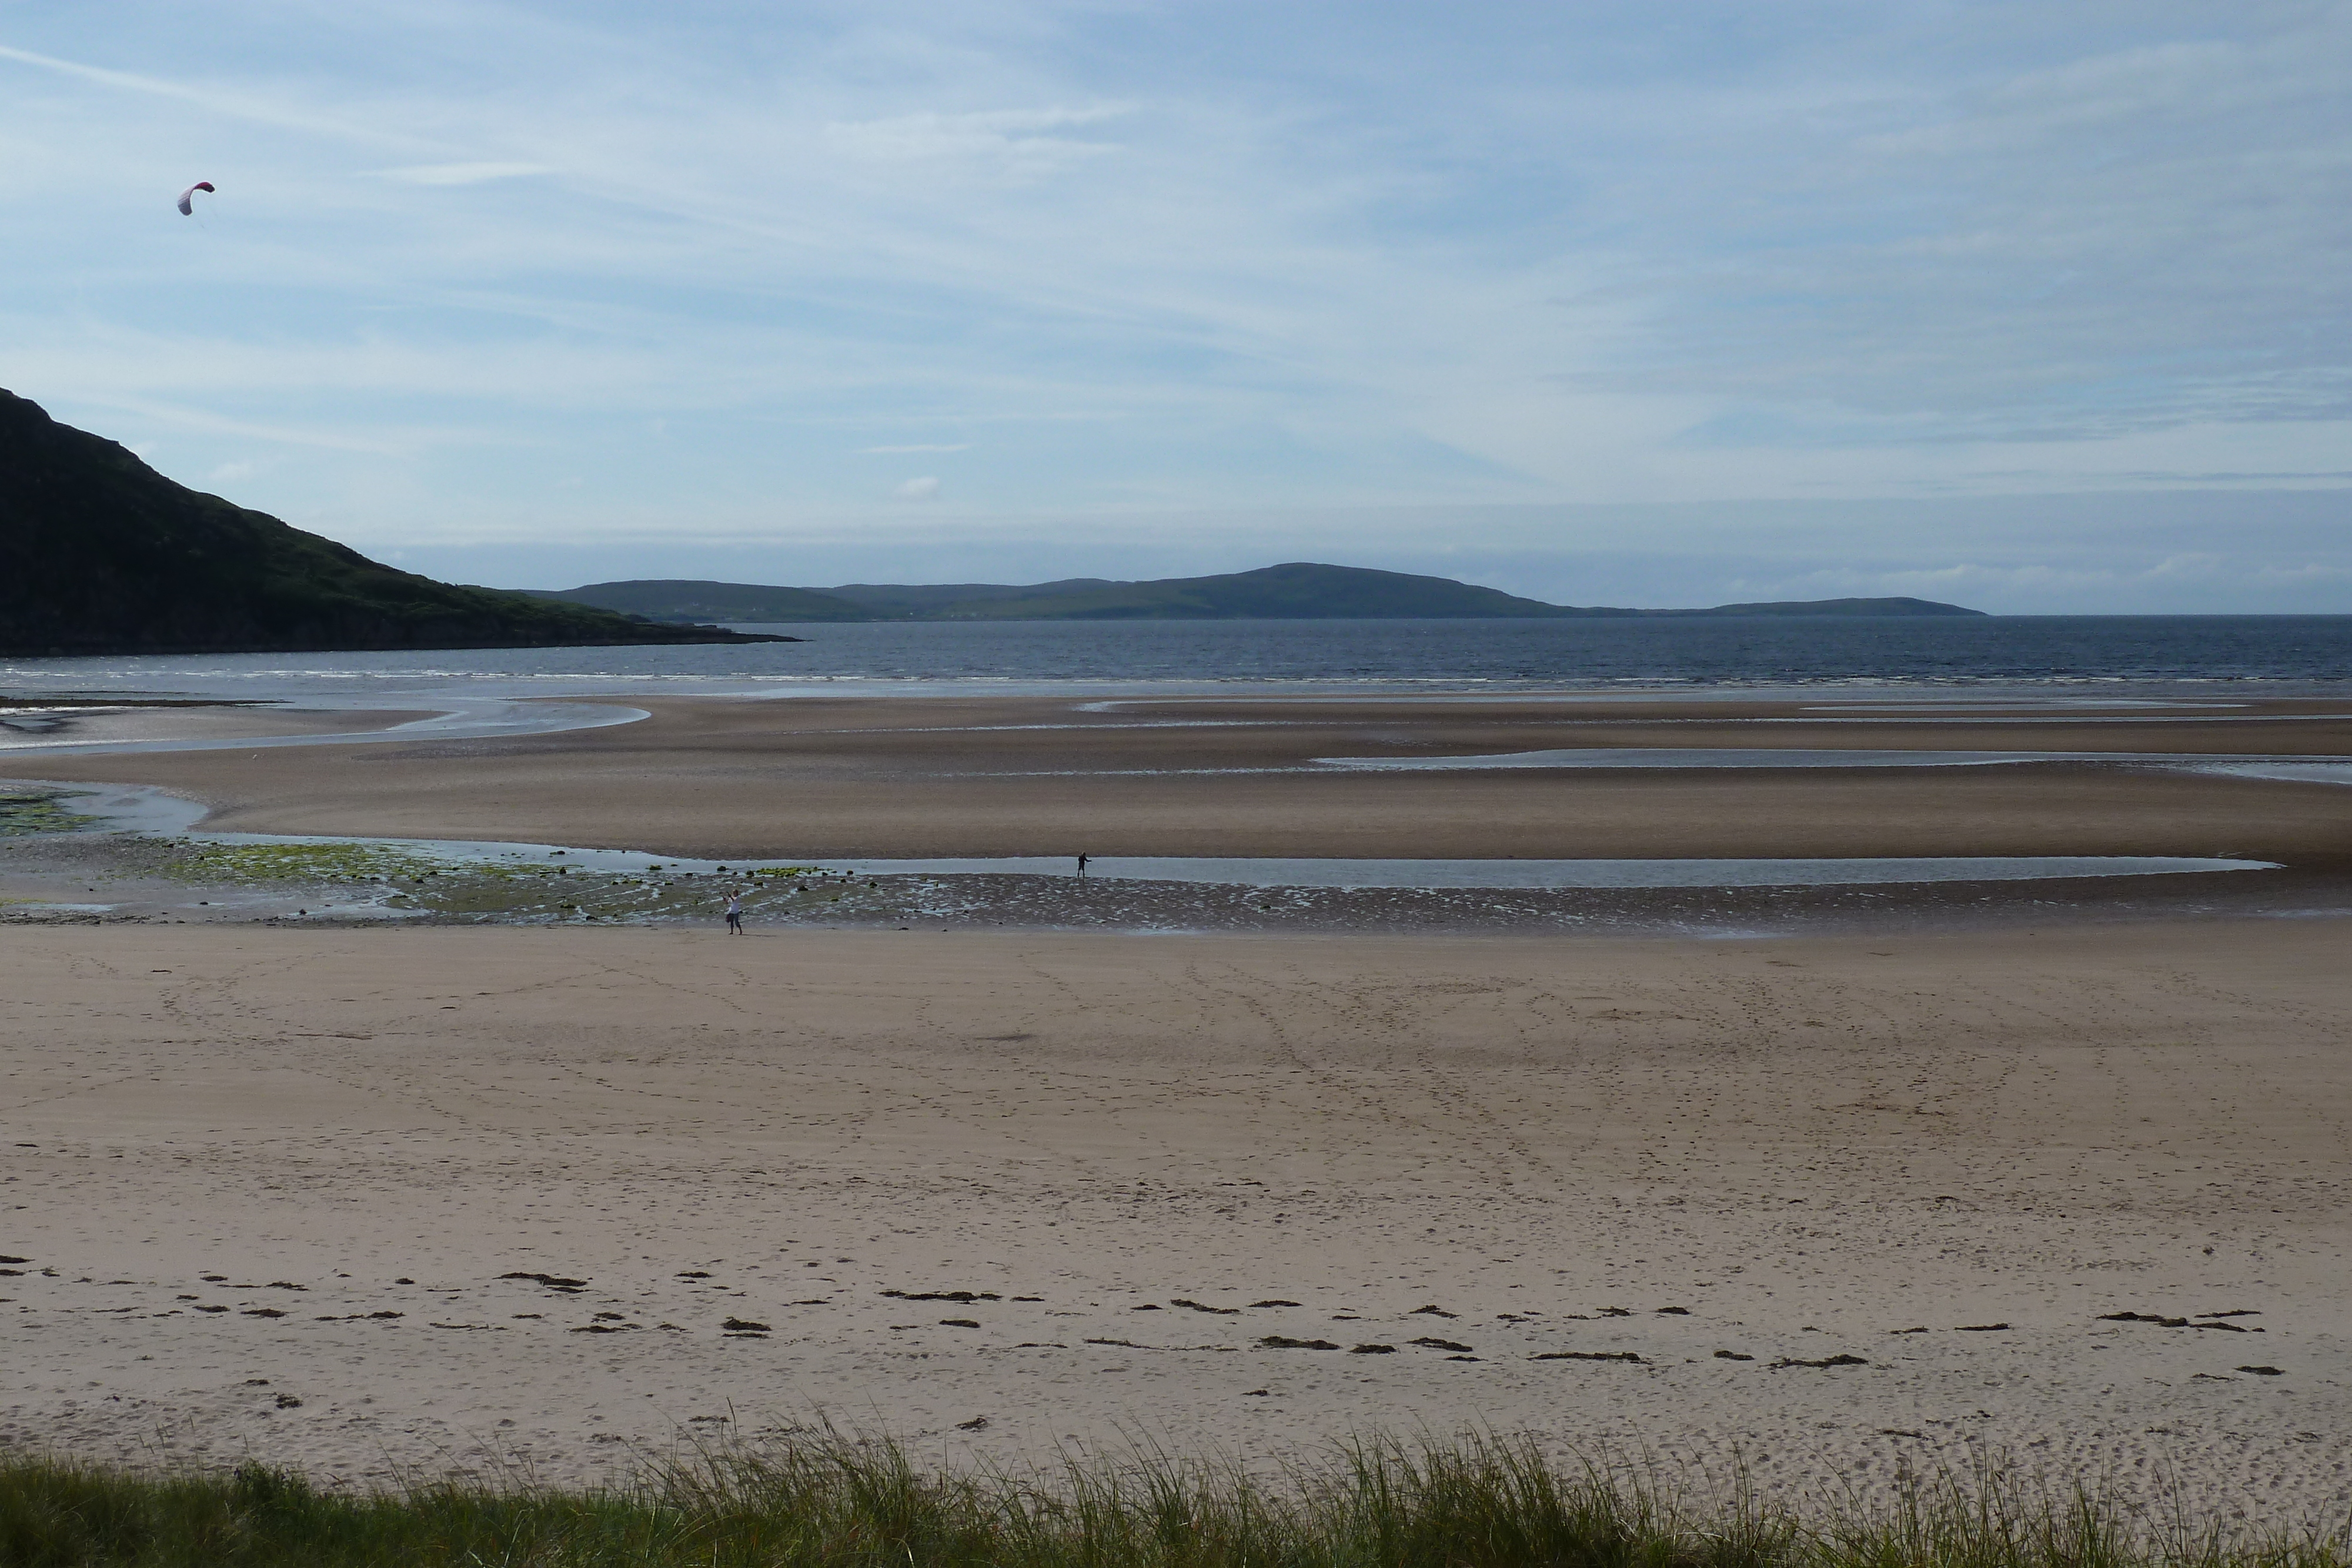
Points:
[(251, 1168), (915, 776), (1089, 784), (2066, 1195)]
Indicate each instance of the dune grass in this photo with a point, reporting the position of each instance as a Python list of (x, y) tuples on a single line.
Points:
[(1477, 1504)]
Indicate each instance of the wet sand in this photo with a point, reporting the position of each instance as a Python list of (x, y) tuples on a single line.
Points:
[(27, 728), (316, 1197), (920, 777)]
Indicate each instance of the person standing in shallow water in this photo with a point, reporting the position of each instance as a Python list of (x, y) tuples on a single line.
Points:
[(1082, 866), (735, 912)]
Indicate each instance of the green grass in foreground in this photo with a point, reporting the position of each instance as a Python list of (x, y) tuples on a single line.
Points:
[(1477, 1505)]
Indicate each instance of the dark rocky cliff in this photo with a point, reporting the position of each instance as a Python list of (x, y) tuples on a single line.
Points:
[(100, 554)]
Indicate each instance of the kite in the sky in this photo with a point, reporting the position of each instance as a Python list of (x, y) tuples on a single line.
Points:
[(188, 198)]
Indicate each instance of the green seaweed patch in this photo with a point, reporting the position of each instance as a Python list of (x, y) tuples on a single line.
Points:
[(301, 863), (512, 892), (548, 895), (24, 813), (510, 871)]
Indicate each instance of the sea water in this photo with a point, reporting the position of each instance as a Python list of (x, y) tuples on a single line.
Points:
[(143, 809), (2191, 654)]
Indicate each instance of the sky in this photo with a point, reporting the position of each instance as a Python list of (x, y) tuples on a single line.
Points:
[(2036, 308)]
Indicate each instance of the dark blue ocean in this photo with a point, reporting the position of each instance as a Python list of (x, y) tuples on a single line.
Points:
[(2281, 652), (1762, 651)]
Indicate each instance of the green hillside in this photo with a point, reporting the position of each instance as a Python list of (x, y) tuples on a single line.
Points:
[(918, 601), (100, 554), (1298, 591), (687, 599)]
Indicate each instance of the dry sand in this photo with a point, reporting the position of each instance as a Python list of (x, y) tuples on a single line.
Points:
[(249, 1169)]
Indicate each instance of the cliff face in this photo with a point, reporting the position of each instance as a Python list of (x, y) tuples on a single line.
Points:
[(100, 554)]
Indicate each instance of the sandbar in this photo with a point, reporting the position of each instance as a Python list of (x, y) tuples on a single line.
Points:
[(920, 777)]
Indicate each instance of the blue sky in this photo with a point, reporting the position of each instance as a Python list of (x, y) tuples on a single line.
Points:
[(2040, 307)]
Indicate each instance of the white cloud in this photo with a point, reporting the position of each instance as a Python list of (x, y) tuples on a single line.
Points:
[(230, 103), (923, 489), (463, 173), (1235, 262), (1021, 137)]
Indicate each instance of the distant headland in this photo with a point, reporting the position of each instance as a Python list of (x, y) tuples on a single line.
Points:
[(1298, 591), (100, 554)]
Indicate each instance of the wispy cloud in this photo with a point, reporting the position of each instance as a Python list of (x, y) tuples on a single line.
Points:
[(1013, 141), (463, 173), (1243, 261), (201, 420), (228, 103)]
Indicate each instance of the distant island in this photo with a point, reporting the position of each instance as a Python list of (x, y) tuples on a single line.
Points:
[(1298, 591), (100, 554)]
